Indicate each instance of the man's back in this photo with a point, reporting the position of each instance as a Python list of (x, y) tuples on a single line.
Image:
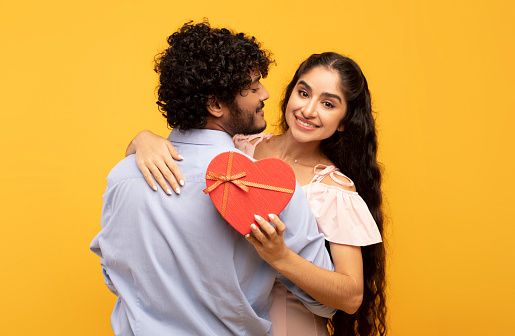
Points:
[(176, 265)]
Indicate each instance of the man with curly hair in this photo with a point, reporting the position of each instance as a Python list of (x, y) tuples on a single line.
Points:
[(174, 263)]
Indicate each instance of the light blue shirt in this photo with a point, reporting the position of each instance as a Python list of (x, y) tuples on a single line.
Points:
[(177, 267)]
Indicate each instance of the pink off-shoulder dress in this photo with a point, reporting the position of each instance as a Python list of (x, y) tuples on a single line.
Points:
[(342, 217)]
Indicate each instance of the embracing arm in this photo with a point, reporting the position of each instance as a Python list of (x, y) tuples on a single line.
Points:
[(342, 289), (155, 157)]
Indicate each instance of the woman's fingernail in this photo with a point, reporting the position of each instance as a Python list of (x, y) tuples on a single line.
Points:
[(271, 216), (178, 190), (247, 236), (181, 182), (154, 187), (168, 191), (180, 156), (253, 226), (256, 217)]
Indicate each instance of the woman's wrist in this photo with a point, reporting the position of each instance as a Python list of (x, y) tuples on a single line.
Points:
[(284, 261), (134, 144)]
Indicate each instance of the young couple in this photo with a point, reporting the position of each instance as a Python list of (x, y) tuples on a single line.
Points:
[(329, 139)]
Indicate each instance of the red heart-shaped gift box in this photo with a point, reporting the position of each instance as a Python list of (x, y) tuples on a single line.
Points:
[(241, 188)]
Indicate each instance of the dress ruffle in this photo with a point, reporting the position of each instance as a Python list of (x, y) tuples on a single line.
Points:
[(342, 216), (242, 142)]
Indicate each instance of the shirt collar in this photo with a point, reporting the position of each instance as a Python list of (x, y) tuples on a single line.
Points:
[(201, 137)]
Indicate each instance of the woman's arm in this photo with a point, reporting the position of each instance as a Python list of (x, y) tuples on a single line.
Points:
[(342, 289), (155, 157)]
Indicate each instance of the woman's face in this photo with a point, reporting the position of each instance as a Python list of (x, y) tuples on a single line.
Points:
[(316, 105)]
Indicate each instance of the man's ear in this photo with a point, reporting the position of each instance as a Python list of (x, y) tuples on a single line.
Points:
[(215, 107)]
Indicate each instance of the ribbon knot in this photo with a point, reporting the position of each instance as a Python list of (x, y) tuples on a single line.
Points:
[(219, 178)]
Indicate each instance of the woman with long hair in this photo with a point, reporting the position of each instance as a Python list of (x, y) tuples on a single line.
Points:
[(329, 139)]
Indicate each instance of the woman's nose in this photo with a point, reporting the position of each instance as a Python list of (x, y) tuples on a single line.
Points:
[(309, 110)]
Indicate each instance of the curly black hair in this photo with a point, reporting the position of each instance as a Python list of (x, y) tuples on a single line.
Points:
[(354, 152), (201, 63)]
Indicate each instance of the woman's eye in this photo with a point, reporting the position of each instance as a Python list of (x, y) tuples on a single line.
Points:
[(328, 104), (303, 93)]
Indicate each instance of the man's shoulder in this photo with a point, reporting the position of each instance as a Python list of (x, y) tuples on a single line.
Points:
[(124, 170), (206, 153)]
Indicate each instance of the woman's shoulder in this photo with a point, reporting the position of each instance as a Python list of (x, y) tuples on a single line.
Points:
[(329, 175)]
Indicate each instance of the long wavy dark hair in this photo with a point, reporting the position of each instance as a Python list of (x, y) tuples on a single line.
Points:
[(202, 62), (354, 152)]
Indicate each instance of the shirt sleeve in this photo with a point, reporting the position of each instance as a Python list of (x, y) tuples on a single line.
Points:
[(302, 237)]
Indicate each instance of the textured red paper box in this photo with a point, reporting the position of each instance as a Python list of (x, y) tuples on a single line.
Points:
[(241, 188)]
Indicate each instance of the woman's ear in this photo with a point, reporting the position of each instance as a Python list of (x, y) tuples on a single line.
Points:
[(214, 107), (340, 128)]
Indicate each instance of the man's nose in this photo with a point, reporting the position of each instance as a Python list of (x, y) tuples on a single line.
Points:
[(264, 94)]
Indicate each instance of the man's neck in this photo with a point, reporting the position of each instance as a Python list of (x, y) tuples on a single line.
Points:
[(216, 125)]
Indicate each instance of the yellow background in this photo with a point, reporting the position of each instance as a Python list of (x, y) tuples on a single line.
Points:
[(77, 84)]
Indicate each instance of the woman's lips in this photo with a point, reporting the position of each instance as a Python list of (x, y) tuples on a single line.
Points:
[(304, 124)]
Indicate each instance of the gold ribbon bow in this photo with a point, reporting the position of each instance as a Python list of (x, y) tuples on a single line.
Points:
[(219, 178)]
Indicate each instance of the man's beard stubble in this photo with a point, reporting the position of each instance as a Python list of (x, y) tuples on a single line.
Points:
[(243, 122)]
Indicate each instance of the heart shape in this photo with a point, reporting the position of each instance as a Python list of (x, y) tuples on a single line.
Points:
[(241, 188)]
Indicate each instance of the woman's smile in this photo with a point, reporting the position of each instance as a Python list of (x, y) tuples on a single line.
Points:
[(305, 124)]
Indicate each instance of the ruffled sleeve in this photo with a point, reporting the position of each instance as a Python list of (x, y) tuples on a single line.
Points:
[(342, 216), (243, 142)]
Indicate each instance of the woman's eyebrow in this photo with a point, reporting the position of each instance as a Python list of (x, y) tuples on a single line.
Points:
[(325, 94)]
